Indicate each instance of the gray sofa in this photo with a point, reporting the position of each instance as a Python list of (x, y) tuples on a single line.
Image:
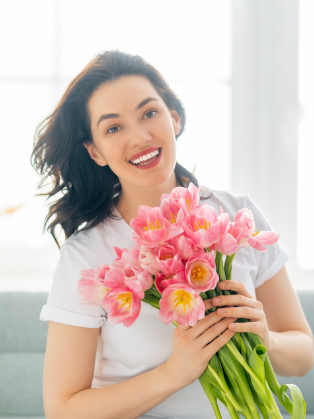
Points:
[(22, 353)]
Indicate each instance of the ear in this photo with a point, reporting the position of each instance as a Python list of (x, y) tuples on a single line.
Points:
[(176, 122), (94, 154)]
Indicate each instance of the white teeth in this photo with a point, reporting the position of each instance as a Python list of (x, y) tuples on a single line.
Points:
[(145, 157)]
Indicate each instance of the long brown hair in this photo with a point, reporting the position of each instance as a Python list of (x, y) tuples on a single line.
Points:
[(59, 153)]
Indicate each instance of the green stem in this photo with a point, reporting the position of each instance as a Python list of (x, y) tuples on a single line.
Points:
[(207, 387), (230, 345), (241, 378), (235, 387)]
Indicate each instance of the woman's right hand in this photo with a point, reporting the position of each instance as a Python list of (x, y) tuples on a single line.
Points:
[(194, 346)]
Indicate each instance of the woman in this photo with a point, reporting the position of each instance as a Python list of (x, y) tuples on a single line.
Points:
[(109, 147)]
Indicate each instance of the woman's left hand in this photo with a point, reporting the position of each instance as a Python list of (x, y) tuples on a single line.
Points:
[(242, 305)]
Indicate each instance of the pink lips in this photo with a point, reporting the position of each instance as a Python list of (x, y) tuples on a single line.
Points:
[(142, 153)]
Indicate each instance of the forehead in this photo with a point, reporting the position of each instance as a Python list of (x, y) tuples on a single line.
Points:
[(121, 94)]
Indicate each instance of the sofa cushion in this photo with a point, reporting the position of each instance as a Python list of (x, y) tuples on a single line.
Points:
[(21, 329), (22, 351), (21, 383)]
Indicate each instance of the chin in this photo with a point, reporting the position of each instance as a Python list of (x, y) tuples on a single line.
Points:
[(162, 180)]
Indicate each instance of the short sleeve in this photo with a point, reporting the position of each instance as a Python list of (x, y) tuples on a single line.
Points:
[(64, 301), (276, 255)]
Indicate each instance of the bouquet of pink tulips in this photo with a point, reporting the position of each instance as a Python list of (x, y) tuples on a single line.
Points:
[(182, 250)]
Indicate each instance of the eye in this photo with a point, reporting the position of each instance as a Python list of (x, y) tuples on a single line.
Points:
[(115, 126), (112, 128), (150, 112)]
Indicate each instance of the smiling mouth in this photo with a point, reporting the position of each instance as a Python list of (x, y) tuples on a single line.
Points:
[(144, 162)]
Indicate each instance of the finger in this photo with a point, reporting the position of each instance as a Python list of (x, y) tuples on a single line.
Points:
[(208, 304), (236, 300), (252, 327), (218, 343), (182, 327), (212, 332), (237, 286), (244, 312), (202, 325)]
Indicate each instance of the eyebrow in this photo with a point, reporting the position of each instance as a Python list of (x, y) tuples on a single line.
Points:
[(116, 115)]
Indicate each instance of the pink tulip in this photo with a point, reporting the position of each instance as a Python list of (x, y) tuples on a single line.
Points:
[(147, 260), (245, 220), (115, 277), (128, 256), (91, 286), (162, 281), (187, 198), (262, 237), (141, 279), (124, 305), (228, 244), (204, 227), (151, 228), (119, 252), (172, 211), (118, 277), (200, 271), (168, 259), (182, 304), (128, 271), (185, 246)]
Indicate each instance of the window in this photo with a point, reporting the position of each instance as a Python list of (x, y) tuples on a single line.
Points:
[(190, 44), (305, 245)]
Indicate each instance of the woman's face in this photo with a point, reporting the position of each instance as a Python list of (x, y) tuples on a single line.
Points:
[(130, 125)]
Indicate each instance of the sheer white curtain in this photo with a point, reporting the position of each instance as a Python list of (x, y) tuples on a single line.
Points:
[(45, 44), (305, 233), (272, 141)]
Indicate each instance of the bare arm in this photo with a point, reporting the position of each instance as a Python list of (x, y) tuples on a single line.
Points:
[(291, 340), (68, 374), (69, 369), (276, 316)]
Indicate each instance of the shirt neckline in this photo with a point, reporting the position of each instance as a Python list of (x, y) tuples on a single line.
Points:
[(130, 229), (122, 220)]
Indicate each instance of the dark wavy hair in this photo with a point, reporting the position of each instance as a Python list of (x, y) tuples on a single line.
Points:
[(86, 196)]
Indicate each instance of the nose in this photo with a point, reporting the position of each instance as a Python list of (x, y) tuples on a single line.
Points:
[(139, 136)]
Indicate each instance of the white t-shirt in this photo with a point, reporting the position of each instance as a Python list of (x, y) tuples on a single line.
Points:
[(124, 352)]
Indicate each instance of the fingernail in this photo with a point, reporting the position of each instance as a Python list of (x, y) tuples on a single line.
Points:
[(222, 284), (222, 310), (216, 300), (232, 326)]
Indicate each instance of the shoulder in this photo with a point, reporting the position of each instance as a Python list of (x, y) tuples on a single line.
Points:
[(230, 202), (95, 246)]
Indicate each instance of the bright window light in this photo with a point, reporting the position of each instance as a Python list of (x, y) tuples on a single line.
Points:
[(305, 245), (189, 43)]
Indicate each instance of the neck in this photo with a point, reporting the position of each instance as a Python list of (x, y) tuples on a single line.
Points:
[(131, 197)]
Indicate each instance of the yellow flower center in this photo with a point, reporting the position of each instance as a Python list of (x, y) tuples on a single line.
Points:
[(151, 227), (167, 256), (173, 220), (126, 300), (205, 226), (184, 298), (198, 273), (188, 203), (255, 234)]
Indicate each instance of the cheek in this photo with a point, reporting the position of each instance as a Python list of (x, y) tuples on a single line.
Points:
[(113, 152)]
